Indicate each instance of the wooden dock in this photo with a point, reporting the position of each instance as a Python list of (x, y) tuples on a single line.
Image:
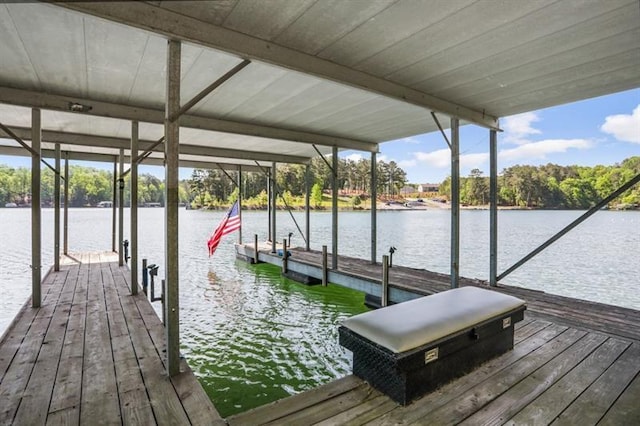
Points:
[(574, 363), (93, 354)]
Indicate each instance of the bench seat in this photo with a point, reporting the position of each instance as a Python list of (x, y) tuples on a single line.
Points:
[(413, 347)]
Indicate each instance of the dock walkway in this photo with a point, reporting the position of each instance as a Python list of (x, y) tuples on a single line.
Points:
[(93, 354), (574, 363)]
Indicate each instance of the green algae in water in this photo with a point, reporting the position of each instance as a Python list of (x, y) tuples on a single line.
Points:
[(268, 337)]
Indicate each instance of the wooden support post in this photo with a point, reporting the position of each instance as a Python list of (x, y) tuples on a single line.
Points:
[(36, 220), (56, 211), (374, 215), (121, 211), (307, 208), (334, 209), (274, 198), (133, 208), (455, 203), (325, 265), (66, 203), (171, 149), (114, 203), (240, 203), (493, 208), (269, 190), (255, 249), (384, 294), (284, 256)]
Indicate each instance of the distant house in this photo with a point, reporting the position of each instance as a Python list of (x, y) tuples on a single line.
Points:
[(429, 187), (407, 190)]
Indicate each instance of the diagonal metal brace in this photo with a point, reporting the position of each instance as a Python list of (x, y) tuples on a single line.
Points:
[(140, 158), (28, 148), (444, 135), (324, 159), (235, 182), (572, 225)]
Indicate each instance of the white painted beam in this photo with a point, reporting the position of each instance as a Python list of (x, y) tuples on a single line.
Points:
[(49, 101), (122, 143), (173, 25)]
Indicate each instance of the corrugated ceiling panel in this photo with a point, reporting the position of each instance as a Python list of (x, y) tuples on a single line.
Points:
[(254, 17), (16, 67)]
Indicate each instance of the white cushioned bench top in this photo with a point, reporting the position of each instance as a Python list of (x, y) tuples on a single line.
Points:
[(417, 322)]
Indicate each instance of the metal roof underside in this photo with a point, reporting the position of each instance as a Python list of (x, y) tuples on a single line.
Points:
[(345, 73)]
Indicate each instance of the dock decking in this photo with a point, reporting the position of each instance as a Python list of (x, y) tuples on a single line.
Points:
[(92, 354), (574, 363)]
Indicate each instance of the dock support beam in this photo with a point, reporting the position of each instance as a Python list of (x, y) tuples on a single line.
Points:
[(274, 198), (66, 203), (56, 211), (114, 203), (269, 237), (384, 295), (455, 203), (133, 207), (121, 210), (307, 214), (240, 203), (493, 208), (171, 149), (374, 214), (325, 262), (36, 267), (334, 208)]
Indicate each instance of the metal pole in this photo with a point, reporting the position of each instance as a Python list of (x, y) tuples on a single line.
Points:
[(114, 203), (133, 207), (270, 238), (334, 209), (171, 147), (384, 295), (66, 203), (325, 264), (615, 194), (284, 256), (307, 210), (36, 220), (455, 203), (255, 249), (240, 203), (493, 207), (121, 210), (274, 197), (56, 211), (374, 214)]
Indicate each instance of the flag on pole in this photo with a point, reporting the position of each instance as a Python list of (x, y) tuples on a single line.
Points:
[(230, 223)]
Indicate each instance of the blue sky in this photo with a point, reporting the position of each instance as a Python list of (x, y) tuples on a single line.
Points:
[(603, 130)]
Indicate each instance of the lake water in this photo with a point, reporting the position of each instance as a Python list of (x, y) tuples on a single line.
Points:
[(253, 337)]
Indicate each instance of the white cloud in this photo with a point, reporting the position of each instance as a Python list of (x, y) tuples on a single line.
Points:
[(624, 127), (518, 127), (410, 140), (540, 149), (442, 159), (382, 157), (405, 164), (355, 157)]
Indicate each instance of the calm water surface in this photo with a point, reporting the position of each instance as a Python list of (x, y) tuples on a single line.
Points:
[(253, 337)]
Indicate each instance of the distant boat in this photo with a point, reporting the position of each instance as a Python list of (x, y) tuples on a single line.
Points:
[(106, 204), (11, 205)]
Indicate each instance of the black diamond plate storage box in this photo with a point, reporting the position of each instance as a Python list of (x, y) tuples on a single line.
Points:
[(408, 375)]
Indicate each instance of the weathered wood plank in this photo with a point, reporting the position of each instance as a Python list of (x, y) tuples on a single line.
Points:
[(511, 401), (554, 400), (483, 393), (594, 402), (99, 402), (452, 391), (329, 407), (279, 409), (626, 410), (361, 413)]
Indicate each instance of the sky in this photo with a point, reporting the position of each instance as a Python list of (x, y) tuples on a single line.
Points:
[(598, 131), (603, 130)]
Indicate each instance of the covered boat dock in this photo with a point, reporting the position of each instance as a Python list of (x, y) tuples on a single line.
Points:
[(242, 85)]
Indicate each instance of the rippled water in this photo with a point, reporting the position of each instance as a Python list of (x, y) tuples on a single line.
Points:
[(253, 337)]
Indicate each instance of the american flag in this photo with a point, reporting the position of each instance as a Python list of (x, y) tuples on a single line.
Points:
[(230, 223)]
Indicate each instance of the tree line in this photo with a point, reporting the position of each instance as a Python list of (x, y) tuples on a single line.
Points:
[(552, 186), (549, 186), (88, 186)]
